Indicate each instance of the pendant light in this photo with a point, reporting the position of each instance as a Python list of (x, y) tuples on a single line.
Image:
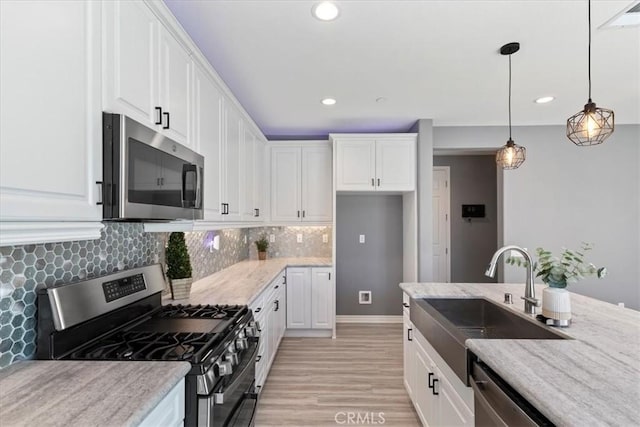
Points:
[(592, 125), (511, 155)]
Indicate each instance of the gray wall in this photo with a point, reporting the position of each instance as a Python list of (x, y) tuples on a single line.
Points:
[(472, 181), (424, 129), (375, 265), (564, 194)]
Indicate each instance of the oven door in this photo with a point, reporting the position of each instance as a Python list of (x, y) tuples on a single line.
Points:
[(233, 401)]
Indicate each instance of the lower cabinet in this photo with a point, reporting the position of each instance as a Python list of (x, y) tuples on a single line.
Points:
[(438, 395), (310, 298), (170, 411)]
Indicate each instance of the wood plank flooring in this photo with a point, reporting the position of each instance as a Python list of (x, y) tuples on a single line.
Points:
[(322, 382)]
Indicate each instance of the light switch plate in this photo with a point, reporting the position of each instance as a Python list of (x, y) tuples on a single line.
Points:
[(299, 237), (362, 238), (325, 238), (272, 238)]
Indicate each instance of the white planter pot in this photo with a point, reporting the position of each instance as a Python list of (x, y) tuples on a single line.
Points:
[(181, 288), (556, 305)]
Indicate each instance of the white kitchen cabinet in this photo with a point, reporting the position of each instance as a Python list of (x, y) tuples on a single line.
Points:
[(367, 163), (259, 151), (409, 356), (424, 398), (170, 411), (50, 121), (232, 167), (253, 177), (321, 299), (301, 183), (148, 73), (310, 298), (208, 128)]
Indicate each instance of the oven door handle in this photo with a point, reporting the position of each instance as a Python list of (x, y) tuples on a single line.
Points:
[(219, 395)]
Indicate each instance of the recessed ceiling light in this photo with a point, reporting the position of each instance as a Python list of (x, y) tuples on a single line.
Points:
[(328, 101), (325, 11), (544, 99)]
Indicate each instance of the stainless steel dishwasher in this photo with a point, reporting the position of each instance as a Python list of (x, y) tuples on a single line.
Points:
[(497, 403)]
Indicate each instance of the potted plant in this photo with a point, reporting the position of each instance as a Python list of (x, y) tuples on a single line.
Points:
[(557, 273), (262, 245), (178, 266)]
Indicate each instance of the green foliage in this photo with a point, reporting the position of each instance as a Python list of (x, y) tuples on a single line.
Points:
[(558, 272), (262, 244), (178, 264)]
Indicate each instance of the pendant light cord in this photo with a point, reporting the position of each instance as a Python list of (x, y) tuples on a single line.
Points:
[(589, 12), (509, 97)]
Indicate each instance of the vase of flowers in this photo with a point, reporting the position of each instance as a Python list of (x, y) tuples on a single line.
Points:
[(178, 266), (262, 245), (558, 272)]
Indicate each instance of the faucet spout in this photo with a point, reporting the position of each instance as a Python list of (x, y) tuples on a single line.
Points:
[(530, 301)]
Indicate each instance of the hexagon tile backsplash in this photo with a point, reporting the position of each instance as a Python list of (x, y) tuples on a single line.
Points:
[(22, 268)]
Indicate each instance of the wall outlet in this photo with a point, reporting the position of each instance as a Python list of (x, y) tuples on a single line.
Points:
[(325, 238), (272, 238), (362, 238), (364, 297), (299, 237), (215, 244)]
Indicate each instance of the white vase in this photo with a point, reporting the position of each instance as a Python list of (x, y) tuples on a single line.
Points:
[(556, 305), (181, 288)]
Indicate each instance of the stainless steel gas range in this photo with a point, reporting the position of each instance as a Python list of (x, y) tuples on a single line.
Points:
[(121, 317)]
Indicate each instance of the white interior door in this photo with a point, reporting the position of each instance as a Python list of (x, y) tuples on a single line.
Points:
[(441, 225)]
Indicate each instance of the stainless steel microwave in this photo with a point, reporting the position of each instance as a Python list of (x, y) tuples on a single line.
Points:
[(147, 176)]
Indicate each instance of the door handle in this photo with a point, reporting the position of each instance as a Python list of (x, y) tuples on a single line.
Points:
[(378, 182), (167, 126), (304, 213), (100, 193), (430, 378), (433, 389), (373, 184), (409, 335), (256, 213), (258, 358), (298, 214), (159, 119)]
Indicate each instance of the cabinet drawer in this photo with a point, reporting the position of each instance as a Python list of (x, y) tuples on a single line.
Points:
[(406, 301)]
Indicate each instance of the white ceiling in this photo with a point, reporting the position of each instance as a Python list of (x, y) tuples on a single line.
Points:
[(429, 59)]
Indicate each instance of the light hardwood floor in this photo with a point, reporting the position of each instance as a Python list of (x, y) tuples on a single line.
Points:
[(319, 381)]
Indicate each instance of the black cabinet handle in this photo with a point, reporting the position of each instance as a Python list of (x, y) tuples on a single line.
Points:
[(433, 389), (256, 213), (409, 334), (167, 126), (100, 193), (258, 310), (159, 119), (404, 304), (304, 213), (429, 380), (284, 280), (298, 214), (258, 359), (378, 182), (227, 211), (277, 302), (276, 287), (373, 184)]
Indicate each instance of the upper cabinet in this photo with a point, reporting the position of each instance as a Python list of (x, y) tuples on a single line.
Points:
[(148, 73), (50, 121), (253, 177), (301, 183), (385, 162)]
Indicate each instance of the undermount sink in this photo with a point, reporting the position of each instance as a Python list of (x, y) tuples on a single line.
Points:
[(479, 318), (448, 322)]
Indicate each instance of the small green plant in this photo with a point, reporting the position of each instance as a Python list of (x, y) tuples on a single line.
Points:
[(178, 263), (558, 272), (262, 244)]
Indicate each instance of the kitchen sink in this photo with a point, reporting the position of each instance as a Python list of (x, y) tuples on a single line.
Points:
[(448, 322)]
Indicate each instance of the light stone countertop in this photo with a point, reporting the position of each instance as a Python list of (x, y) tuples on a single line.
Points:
[(591, 380), (84, 393), (243, 282)]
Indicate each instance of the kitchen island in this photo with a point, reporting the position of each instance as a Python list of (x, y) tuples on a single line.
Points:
[(86, 393), (591, 379)]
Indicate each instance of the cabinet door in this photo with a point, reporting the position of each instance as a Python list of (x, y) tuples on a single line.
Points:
[(232, 164), (424, 398), (248, 159), (175, 88), (409, 357), (321, 298), (285, 184), (355, 163), (50, 111), (452, 410), (207, 135), (273, 313), (282, 318), (130, 78), (317, 187), (259, 179), (298, 298), (396, 165)]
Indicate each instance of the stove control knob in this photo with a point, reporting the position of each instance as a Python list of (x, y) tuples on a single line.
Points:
[(231, 358), (224, 367), (242, 343), (231, 348), (251, 331)]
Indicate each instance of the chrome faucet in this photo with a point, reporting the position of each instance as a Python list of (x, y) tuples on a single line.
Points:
[(530, 301)]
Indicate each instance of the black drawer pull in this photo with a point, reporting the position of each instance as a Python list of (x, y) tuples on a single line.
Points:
[(409, 334), (159, 119), (257, 310), (435, 393), (166, 126), (429, 380), (258, 358), (404, 304)]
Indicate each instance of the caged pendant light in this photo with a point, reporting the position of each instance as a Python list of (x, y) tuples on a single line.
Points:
[(511, 155), (592, 125)]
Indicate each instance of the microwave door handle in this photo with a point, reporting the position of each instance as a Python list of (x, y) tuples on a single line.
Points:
[(199, 179), (186, 169)]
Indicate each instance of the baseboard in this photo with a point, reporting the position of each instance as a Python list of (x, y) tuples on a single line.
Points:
[(368, 319)]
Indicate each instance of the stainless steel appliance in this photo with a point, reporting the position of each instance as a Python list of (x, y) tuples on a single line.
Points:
[(121, 317), (497, 404), (147, 176)]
